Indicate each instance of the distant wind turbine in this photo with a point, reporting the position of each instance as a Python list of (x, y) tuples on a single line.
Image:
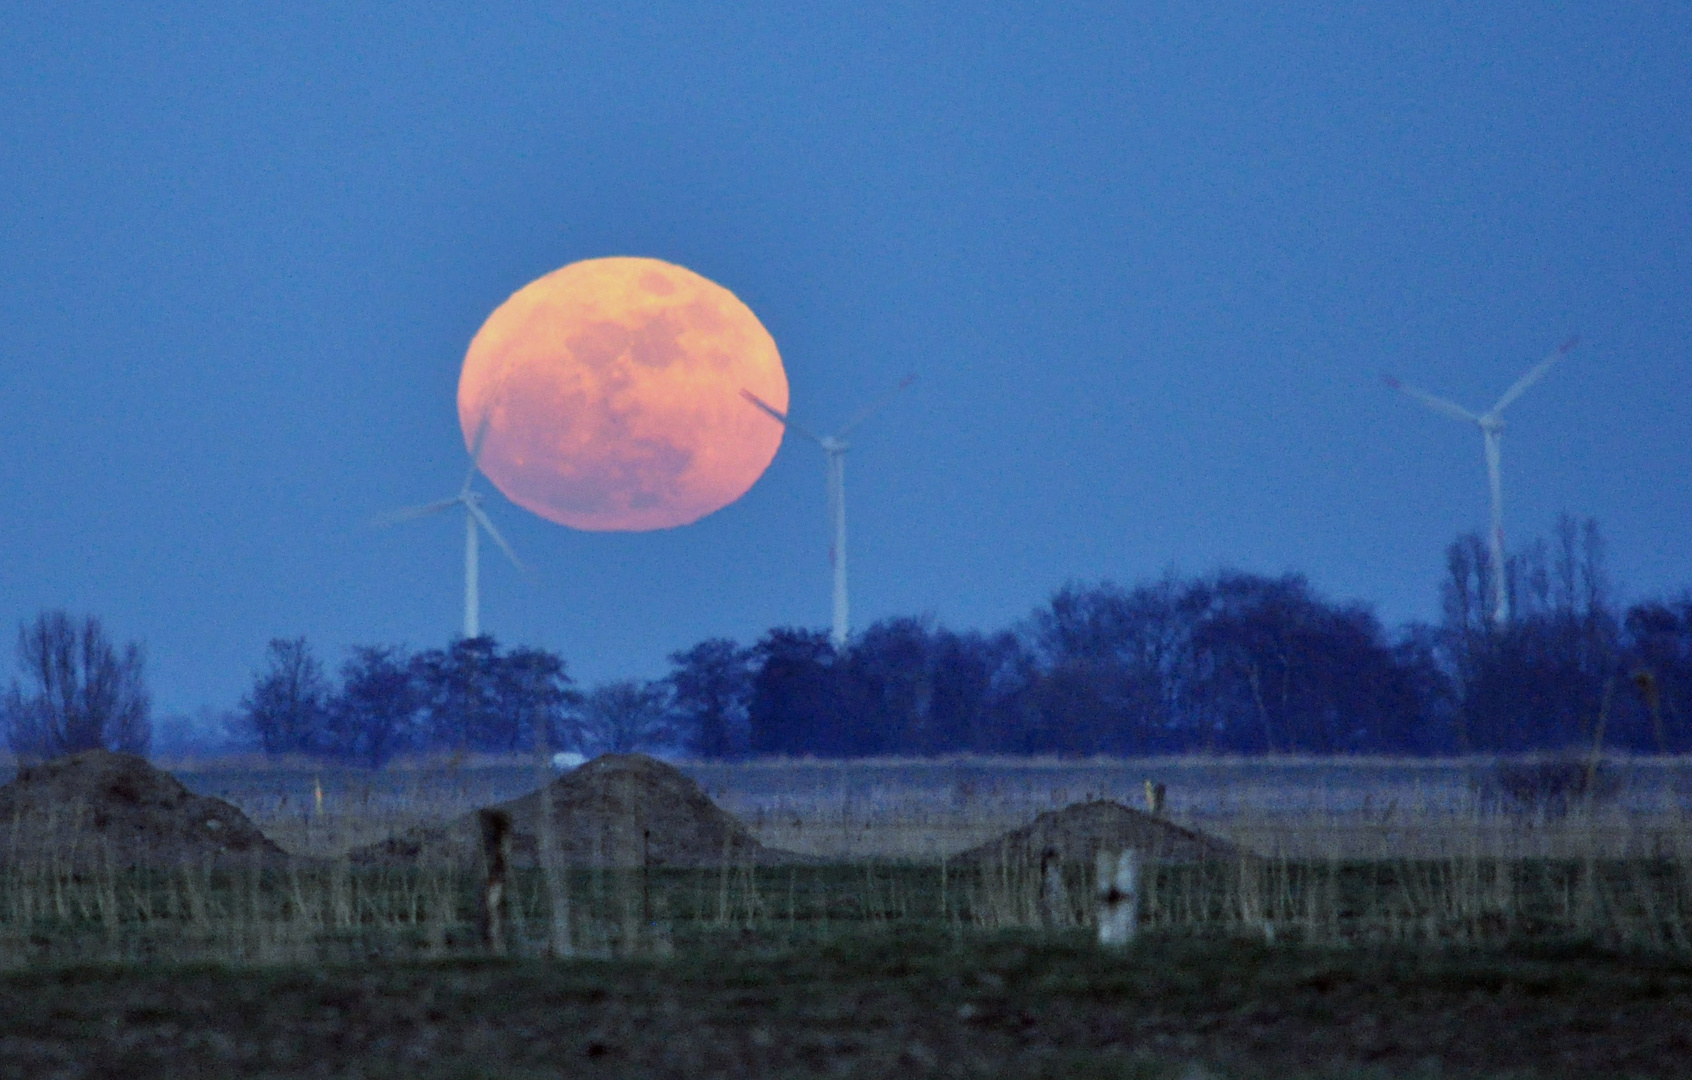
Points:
[(835, 447), (474, 516), (1491, 424)]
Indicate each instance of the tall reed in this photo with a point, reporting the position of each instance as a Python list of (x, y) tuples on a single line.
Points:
[(1411, 867)]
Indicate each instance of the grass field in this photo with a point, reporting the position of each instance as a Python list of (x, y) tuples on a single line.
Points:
[(1392, 922)]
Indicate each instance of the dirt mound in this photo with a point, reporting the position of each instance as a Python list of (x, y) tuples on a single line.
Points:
[(88, 807), (616, 810), (1076, 834)]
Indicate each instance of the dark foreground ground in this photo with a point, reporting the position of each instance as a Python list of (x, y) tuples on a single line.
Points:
[(874, 1005)]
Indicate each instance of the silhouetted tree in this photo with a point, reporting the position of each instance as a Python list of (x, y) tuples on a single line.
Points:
[(536, 697), (1429, 696), (1288, 672), (1659, 637), (884, 690), (973, 680), (1541, 680), (285, 709), (371, 717), (710, 686), (461, 697), (625, 717), (79, 693), (792, 708), (1114, 667)]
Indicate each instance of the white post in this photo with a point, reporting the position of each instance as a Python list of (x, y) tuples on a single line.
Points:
[(1119, 897)]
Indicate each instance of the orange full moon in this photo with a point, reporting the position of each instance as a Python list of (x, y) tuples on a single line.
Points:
[(611, 395)]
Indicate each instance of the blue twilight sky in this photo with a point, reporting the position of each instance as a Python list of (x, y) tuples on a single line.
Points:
[(1148, 261)]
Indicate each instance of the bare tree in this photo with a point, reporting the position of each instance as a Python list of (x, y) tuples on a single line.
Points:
[(1568, 564), (79, 694), (626, 716), (1594, 578), (285, 708)]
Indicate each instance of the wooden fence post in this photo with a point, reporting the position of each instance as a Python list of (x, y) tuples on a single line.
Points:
[(1119, 897), (558, 940), (496, 857), (1054, 897), (1156, 793)]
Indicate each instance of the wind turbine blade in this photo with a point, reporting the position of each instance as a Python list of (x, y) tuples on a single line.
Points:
[(409, 513), (1437, 404), (779, 416), (484, 522), (475, 454), (875, 406), (1534, 374)]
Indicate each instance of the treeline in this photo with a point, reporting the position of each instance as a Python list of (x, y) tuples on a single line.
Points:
[(1231, 663), (1240, 663), (1226, 663), (470, 696), (1568, 668)]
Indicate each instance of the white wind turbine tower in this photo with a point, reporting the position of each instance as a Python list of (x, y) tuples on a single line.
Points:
[(835, 447), (1491, 424), (474, 516)]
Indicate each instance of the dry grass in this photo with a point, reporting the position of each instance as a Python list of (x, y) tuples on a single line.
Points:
[(1392, 924), (922, 810), (1385, 852), (1309, 808)]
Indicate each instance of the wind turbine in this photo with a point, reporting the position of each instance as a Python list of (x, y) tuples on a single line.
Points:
[(1491, 424), (474, 517), (835, 447)]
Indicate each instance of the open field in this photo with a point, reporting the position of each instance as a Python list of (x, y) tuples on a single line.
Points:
[(1331, 853), (1392, 922)]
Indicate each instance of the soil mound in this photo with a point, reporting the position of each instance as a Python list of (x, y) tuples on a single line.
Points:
[(616, 810), (98, 805), (1076, 834)]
